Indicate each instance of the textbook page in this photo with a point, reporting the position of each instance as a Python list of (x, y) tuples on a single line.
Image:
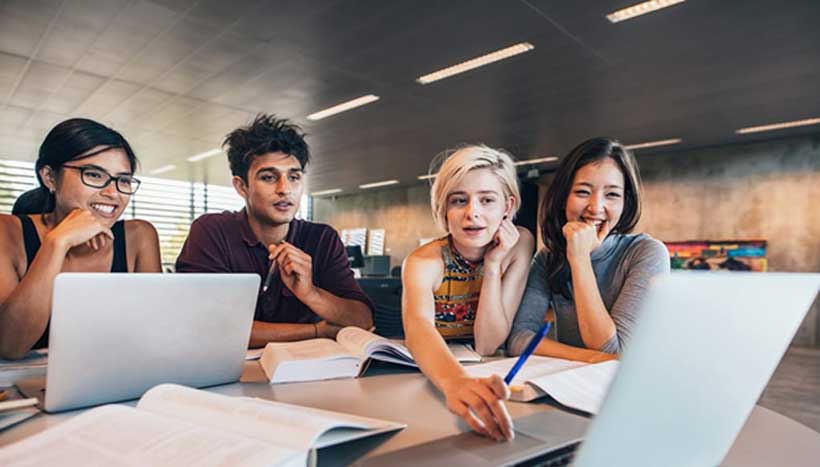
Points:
[(308, 360), (116, 435), (574, 384), (366, 344), (291, 426), (357, 340), (369, 345)]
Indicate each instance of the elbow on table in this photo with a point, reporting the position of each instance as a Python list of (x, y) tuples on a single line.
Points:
[(12, 352)]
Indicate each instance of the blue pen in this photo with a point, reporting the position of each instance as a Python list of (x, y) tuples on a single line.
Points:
[(538, 337)]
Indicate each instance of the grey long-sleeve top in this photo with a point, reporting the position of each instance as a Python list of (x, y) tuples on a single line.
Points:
[(623, 265)]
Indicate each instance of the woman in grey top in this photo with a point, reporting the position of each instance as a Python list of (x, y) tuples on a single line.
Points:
[(593, 274)]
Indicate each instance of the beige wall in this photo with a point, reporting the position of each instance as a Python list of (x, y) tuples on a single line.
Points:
[(768, 190), (403, 212)]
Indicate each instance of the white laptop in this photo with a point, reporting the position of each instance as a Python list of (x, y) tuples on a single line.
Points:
[(703, 351), (114, 336)]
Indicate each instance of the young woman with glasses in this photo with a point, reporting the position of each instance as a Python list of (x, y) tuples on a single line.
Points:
[(69, 224)]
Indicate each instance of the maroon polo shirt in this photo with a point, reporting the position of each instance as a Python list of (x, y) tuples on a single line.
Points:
[(225, 243)]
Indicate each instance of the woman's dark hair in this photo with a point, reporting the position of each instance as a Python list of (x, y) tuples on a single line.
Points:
[(70, 140), (553, 208), (264, 135)]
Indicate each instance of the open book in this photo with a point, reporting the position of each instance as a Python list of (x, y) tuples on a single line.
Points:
[(578, 385), (175, 425), (346, 357)]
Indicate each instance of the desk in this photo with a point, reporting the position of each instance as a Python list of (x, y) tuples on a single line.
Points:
[(406, 396)]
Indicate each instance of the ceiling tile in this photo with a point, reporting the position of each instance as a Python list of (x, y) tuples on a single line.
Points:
[(10, 68), (77, 88), (107, 97), (39, 82), (138, 107), (22, 24)]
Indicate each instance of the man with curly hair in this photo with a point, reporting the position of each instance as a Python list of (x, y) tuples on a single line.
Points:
[(312, 291)]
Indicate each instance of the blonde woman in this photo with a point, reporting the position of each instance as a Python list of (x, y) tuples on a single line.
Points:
[(468, 284)]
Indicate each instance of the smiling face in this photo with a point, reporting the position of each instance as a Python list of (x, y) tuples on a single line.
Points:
[(274, 188), (475, 208), (597, 195), (70, 192)]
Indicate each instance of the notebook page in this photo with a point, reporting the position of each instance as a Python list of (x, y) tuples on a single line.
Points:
[(116, 435)]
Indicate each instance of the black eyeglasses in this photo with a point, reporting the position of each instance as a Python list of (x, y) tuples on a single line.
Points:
[(96, 177)]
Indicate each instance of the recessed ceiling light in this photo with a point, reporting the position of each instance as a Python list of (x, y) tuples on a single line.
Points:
[(778, 126), (427, 177), (377, 184), (163, 169), (640, 9), (326, 192), (652, 144), (537, 161), (205, 155), (491, 57), (344, 106)]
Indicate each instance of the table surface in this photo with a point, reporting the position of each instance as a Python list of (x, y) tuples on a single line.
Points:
[(406, 396)]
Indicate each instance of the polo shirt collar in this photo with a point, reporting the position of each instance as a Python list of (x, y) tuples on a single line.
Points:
[(250, 238)]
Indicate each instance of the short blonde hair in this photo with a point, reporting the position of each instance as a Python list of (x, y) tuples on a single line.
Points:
[(454, 166)]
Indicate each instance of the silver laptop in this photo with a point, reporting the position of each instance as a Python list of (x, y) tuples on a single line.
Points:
[(114, 336), (703, 351)]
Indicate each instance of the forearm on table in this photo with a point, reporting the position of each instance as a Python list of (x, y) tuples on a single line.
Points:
[(338, 310), (552, 348), (594, 322), (263, 332)]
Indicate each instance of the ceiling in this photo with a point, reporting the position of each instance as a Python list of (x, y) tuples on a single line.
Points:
[(174, 76)]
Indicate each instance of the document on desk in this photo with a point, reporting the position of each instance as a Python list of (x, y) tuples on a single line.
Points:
[(175, 425), (577, 385)]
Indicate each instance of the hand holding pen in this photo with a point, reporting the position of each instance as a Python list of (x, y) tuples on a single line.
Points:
[(294, 266), (273, 269)]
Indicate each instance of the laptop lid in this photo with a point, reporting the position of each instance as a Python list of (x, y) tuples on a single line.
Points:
[(114, 336), (704, 349)]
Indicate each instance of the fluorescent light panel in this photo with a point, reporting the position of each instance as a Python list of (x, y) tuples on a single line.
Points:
[(377, 184), (427, 177), (326, 192), (205, 155), (344, 106), (491, 57), (778, 126), (537, 161), (163, 169), (652, 144), (640, 9)]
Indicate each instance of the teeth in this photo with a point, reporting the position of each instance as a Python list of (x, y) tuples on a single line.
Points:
[(108, 209)]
